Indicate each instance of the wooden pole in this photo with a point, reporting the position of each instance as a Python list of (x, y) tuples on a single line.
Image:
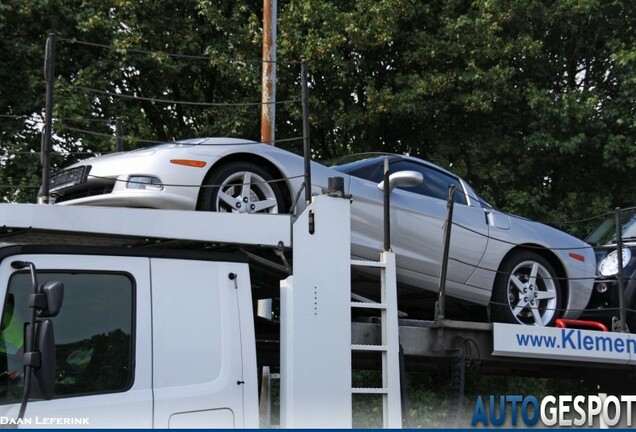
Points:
[(268, 86)]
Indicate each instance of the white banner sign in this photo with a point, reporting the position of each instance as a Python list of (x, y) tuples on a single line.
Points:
[(563, 343)]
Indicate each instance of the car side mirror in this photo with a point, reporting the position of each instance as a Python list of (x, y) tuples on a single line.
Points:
[(403, 179)]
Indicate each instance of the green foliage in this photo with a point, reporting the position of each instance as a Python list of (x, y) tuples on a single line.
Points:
[(532, 101), (518, 94), (428, 396)]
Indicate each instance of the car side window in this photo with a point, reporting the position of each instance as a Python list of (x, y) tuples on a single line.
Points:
[(435, 182), (93, 334), (369, 171)]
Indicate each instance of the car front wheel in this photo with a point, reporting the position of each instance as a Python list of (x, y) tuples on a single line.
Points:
[(241, 187), (526, 291)]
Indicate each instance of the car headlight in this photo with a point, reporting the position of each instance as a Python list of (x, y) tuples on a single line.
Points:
[(144, 183), (609, 264)]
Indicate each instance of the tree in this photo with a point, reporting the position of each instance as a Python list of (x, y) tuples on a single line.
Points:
[(519, 96), (126, 60)]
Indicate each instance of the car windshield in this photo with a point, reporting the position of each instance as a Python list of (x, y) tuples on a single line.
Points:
[(606, 231), (351, 162), (368, 166)]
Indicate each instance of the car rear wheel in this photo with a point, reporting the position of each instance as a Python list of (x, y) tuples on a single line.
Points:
[(241, 187), (526, 291)]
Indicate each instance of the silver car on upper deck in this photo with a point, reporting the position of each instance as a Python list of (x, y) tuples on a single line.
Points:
[(523, 271)]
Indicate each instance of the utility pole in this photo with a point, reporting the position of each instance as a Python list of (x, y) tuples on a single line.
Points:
[(268, 90)]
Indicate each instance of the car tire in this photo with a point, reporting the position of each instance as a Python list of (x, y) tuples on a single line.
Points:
[(241, 187), (526, 291)]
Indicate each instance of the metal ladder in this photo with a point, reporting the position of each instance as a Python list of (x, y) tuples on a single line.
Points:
[(389, 346)]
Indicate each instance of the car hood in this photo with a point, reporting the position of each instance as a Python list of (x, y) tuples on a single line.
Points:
[(193, 146), (112, 158)]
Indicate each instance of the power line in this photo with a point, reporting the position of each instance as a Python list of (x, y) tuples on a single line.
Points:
[(101, 134), (56, 119), (13, 116), (110, 136), (174, 55), (581, 221), (169, 101), (101, 120), (513, 243), (557, 278), (38, 153), (106, 135)]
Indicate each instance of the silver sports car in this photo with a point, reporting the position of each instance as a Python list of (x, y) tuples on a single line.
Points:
[(524, 271)]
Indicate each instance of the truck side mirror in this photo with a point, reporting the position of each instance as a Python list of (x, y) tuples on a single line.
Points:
[(39, 342), (42, 358), (54, 291), (52, 294)]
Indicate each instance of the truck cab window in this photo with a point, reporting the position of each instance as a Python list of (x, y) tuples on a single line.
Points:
[(93, 334), (11, 350)]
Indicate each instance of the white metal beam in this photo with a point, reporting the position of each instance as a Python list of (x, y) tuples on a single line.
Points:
[(231, 228), (316, 320)]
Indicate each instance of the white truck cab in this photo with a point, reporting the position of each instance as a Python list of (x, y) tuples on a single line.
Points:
[(160, 341)]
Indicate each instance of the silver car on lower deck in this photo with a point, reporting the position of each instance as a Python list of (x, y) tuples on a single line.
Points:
[(524, 271)]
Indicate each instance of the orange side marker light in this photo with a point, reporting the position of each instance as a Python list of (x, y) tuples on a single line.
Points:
[(577, 257), (188, 162)]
